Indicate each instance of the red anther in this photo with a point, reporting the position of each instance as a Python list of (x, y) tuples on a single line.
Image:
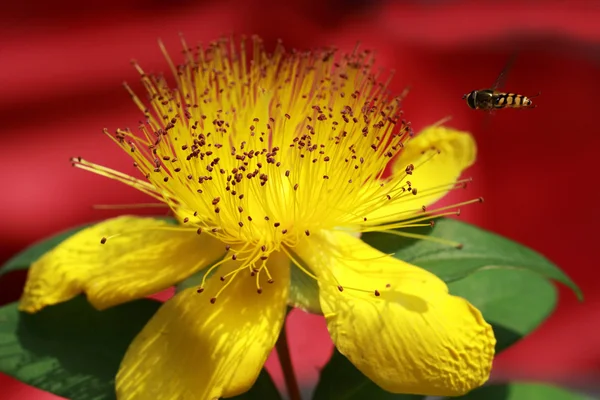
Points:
[(199, 290), (103, 240), (213, 300), (377, 293), (340, 288)]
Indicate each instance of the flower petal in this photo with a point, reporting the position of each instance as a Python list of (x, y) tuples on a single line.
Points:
[(414, 337), (457, 152), (192, 349), (149, 255)]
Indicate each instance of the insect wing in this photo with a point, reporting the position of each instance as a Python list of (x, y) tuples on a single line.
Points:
[(501, 80)]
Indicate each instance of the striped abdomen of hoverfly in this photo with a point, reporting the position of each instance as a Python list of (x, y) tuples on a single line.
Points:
[(510, 100)]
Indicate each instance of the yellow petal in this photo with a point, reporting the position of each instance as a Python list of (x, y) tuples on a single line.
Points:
[(149, 256), (192, 349), (414, 337), (457, 152)]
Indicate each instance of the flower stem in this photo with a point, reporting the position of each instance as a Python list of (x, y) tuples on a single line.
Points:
[(283, 351)]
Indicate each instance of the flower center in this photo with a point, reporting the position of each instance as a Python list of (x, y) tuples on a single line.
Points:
[(262, 154), (267, 152)]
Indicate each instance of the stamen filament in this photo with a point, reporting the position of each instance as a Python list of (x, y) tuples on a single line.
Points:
[(128, 206), (173, 228), (261, 154), (423, 237)]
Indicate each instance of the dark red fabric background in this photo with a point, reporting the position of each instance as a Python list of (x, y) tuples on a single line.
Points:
[(62, 65)]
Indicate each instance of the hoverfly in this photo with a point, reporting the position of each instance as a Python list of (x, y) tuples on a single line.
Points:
[(491, 99)]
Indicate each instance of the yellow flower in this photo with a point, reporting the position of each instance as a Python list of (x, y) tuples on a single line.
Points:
[(273, 164)]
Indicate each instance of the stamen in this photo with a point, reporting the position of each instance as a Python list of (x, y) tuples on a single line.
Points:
[(128, 206), (436, 212), (266, 154), (227, 283), (442, 121), (156, 228), (287, 252), (424, 237), (406, 223), (210, 270)]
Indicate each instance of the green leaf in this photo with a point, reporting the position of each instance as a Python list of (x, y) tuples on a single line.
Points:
[(25, 258), (497, 293), (340, 380), (32, 253), (70, 349), (522, 391), (74, 350), (481, 250)]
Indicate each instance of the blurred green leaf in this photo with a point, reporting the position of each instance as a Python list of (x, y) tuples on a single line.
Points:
[(74, 350), (481, 250), (522, 391), (70, 349), (25, 258), (340, 380), (514, 302)]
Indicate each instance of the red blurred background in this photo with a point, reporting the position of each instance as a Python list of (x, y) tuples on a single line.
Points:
[(63, 63)]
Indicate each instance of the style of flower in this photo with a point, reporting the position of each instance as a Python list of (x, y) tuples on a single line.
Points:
[(274, 162)]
